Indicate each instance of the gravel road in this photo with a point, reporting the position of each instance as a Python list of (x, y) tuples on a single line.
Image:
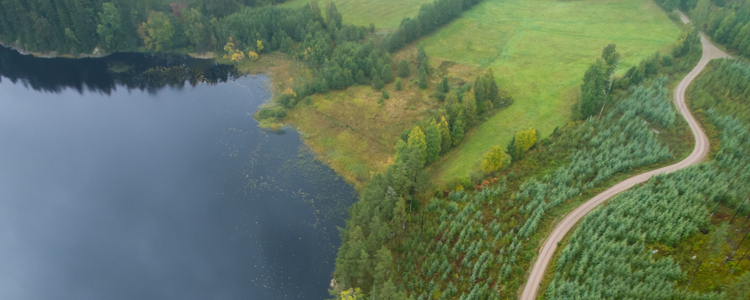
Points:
[(699, 152)]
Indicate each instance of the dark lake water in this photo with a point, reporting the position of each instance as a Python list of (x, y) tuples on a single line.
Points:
[(117, 182)]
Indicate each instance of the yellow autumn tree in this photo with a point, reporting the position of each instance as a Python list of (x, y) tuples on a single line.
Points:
[(260, 46), (493, 159), (417, 139), (352, 294), (252, 55), (525, 139), (231, 51), (237, 56)]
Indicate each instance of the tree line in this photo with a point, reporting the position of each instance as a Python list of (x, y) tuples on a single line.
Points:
[(78, 26), (727, 22)]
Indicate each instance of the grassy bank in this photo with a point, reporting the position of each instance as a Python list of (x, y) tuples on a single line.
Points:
[(355, 130), (539, 50)]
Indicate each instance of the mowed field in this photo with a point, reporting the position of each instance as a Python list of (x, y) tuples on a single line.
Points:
[(382, 13), (539, 51)]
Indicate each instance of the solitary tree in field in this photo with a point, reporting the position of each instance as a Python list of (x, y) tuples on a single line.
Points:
[(493, 159)]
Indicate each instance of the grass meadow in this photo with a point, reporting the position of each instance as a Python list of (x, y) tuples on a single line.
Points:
[(539, 51), (385, 14)]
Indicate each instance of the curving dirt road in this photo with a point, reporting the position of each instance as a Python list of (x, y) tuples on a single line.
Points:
[(699, 152)]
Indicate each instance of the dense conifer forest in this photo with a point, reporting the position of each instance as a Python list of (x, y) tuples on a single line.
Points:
[(726, 22)]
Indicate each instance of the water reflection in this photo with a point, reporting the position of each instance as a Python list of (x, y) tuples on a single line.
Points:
[(142, 71), (178, 195)]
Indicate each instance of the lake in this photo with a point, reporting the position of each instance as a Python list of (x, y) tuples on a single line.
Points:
[(140, 176)]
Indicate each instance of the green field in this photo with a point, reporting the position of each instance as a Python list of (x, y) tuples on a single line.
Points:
[(382, 13), (539, 51)]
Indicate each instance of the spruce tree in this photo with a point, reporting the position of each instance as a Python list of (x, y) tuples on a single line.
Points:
[(422, 78), (433, 140), (387, 74), (403, 68)]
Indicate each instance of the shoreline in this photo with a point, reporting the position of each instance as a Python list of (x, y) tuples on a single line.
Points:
[(97, 53)]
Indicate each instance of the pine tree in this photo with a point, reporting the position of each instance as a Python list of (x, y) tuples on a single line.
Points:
[(493, 93), (513, 150), (458, 130), (480, 94), (403, 68), (383, 261), (377, 83), (433, 140), (333, 17), (387, 74), (470, 108), (417, 139), (422, 78), (445, 135)]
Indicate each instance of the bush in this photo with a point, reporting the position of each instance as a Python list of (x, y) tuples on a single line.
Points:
[(385, 95), (398, 84), (265, 113), (287, 100), (280, 113)]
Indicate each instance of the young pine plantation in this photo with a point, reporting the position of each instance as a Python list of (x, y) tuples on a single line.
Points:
[(406, 240)]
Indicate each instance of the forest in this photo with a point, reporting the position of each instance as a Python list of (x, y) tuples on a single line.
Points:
[(470, 243), (725, 87), (78, 26), (726, 22)]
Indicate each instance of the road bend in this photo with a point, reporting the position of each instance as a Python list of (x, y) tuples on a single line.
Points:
[(700, 151)]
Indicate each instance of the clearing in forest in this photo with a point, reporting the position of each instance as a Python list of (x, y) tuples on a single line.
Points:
[(382, 13), (538, 50)]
